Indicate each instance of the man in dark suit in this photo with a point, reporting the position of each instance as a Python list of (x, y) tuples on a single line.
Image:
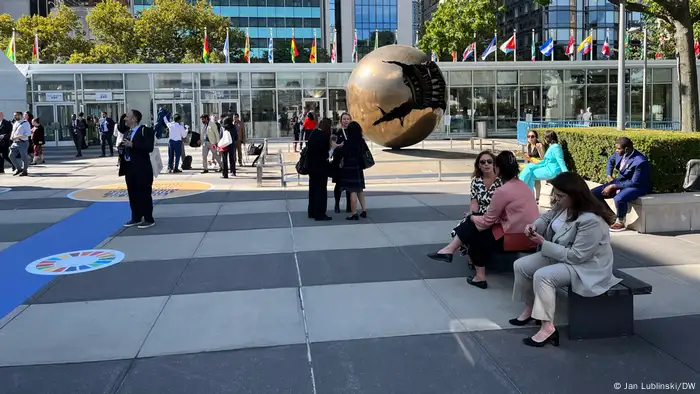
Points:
[(135, 165), (5, 131), (633, 179)]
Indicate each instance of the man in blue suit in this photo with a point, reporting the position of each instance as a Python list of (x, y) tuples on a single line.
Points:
[(633, 179)]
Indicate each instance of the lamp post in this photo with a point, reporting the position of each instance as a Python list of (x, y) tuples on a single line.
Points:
[(644, 76), (621, 31)]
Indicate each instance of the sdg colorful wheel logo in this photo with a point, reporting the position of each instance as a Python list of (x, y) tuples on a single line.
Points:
[(161, 190), (75, 262)]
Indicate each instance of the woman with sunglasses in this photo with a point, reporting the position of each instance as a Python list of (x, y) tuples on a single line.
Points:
[(552, 163), (501, 228), (535, 149), (484, 183)]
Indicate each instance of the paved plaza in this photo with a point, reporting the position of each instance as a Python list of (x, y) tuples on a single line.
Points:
[(235, 290)]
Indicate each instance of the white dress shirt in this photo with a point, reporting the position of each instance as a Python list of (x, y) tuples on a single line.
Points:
[(177, 131), (20, 131)]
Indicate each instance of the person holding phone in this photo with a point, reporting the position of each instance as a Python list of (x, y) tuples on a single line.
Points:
[(574, 250), (633, 180)]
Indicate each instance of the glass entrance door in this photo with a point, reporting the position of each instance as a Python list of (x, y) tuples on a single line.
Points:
[(56, 119), (229, 107), (315, 105), (220, 108), (113, 109), (184, 109)]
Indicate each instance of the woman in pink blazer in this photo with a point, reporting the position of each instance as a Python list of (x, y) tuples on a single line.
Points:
[(501, 228)]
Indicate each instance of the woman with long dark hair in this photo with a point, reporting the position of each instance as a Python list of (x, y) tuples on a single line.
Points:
[(351, 174), (39, 140), (551, 165), (500, 228), (339, 137), (574, 251)]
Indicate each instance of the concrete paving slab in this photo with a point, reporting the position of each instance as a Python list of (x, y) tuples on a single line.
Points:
[(15, 194), (399, 215), (418, 233), (252, 221), (301, 219), (453, 212), (20, 231), (495, 305), (185, 210), (124, 280), (33, 216), (79, 331), (176, 225), (428, 268), (440, 363), (156, 247), (233, 243), (256, 195), (226, 320), (590, 366), (44, 203), (83, 378), (687, 274), (15, 312), (211, 196), (358, 236), (251, 272), (5, 245), (655, 250), (436, 200), (371, 310), (675, 336), (275, 370), (354, 266), (669, 297), (253, 207)]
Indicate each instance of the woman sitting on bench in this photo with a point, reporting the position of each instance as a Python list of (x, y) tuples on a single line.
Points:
[(575, 251), (500, 228), (550, 166)]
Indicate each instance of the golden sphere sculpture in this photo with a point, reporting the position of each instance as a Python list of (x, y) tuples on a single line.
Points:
[(397, 94)]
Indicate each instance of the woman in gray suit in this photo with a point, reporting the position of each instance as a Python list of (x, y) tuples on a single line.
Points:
[(574, 239)]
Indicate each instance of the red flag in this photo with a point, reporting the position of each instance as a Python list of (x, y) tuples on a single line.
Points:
[(697, 48), (570, 47)]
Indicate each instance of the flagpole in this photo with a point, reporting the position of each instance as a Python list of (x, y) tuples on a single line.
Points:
[(571, 34), (515, 47), (14, 47), (644, 82), (396, 37), (495, 44), (228, 49), (591, 52), (474, 43), (272, 54), (36, 44), (551, 57), (534, 54)]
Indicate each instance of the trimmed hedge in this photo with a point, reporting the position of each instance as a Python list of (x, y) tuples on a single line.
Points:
[(587, 150)]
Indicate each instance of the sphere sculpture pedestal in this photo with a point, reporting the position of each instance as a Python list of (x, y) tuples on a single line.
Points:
[(397, 94)]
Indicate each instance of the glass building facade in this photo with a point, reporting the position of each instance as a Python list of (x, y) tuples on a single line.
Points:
[(268, 96), (372, 16), (259, 16)]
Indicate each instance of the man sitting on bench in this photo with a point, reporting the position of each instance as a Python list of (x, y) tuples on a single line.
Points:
[(633, 179)]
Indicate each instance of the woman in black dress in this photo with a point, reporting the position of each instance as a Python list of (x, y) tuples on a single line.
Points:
[(319, 167), (39, 140), (351, 173), (296, 127), (340, 136)]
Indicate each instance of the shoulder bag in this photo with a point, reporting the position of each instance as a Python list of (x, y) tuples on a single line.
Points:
[(367, 158), (156, 160)]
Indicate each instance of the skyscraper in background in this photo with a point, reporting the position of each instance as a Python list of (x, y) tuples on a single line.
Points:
[(369, 17), (259, 16)]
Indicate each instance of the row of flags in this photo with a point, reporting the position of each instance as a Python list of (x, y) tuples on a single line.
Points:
[(293, 50), (11, 50), (546, 49)]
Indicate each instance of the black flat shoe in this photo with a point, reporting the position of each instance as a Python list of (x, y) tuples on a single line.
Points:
[(353, 217), (482, 284), (553, 339), (363, 214), (336, 209), (520, 323), (323, 218), (445, 258)]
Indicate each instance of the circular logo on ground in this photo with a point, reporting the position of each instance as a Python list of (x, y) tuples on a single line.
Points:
[(161, 190), (76, 262)]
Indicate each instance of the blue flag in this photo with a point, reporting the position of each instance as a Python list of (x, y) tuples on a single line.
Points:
[(548, 47)]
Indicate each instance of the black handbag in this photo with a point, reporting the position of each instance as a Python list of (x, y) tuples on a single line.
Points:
[(367, 158), (301, 166)]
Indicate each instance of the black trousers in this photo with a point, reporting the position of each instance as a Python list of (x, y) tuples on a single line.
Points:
[(5, 157), (337, 193), (107, 140), (318, 195), (139, 184), (78, 140), (228, 162), (482, 245)]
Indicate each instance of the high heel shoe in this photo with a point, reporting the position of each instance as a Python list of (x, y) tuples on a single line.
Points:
[(519, 323), (353, 217), (363, 214), (553, 339)]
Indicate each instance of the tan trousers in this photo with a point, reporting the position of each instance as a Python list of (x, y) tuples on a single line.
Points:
[(536, 283), (206, 148)]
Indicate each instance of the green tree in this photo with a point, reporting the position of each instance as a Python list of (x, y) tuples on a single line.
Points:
[(60, 35), (680, 17), (172, 31), (113, 27), (455, 24)]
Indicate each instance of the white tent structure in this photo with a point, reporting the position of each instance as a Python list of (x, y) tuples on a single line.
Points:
[(13, 94)]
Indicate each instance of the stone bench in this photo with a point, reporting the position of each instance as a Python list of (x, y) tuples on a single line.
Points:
[(653, 213)]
